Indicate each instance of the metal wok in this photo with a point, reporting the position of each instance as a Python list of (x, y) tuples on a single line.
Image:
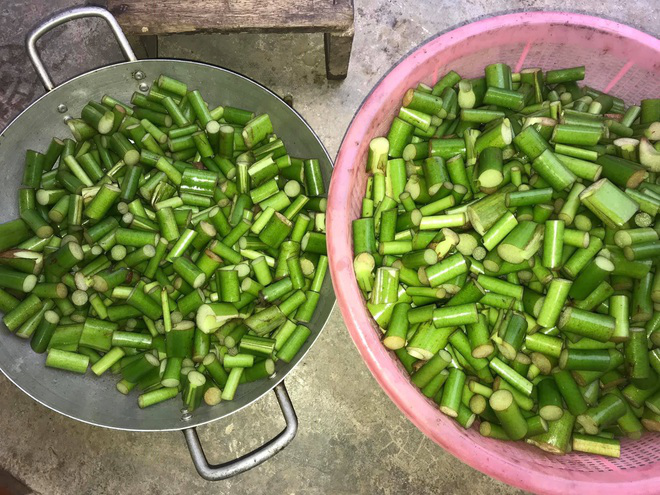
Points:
[(95, 400)]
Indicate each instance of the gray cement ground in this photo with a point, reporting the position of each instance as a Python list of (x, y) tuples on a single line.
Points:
[(352, 439)]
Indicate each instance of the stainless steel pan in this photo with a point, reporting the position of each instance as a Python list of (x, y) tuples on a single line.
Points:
[(95, 400)]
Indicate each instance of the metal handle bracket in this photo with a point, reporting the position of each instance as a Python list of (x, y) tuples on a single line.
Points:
[(248, 461), (64, 17)]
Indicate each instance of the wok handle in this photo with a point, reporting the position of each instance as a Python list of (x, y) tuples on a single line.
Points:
[(248, 461), (69, 15)]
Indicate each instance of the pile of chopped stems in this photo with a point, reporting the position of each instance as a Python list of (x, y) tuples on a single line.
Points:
[(177, 246), (508, 250)]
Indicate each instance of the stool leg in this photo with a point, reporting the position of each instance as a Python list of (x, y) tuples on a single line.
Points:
[(150, 44), (144, 46), (338, 54)]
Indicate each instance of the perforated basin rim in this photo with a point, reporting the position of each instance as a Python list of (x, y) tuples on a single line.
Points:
[(620, 60)]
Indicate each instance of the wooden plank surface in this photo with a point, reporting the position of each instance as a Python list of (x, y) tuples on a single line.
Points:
[(158, 17)]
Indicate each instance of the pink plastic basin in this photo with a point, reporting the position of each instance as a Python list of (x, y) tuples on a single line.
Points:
[(619, 60)]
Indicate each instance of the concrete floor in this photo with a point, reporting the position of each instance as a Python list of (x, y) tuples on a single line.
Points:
[(352, 439)]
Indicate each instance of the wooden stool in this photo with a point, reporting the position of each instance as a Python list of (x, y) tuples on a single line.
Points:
[(149, 19)]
